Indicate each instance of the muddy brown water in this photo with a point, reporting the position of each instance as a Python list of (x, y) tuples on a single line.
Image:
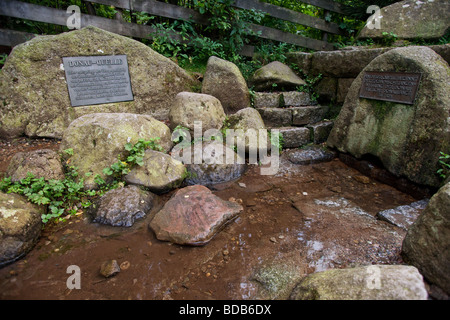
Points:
[(302, 220)]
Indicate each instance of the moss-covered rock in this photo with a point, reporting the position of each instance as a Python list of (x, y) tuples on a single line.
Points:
[(411, 19), (34, 98), (20, 226), (98, 140), (246, 124), (188, 108), (407, 139), (275, 73), (224, 80), (427, 242), (376, 282), (160, 172)]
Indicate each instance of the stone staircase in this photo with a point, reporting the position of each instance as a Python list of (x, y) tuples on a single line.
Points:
[(299, 119)]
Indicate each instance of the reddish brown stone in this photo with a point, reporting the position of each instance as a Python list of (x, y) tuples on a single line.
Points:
[(193, 216)]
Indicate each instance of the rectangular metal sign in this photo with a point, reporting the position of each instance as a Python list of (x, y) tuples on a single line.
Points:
[(97, 79), (398, 87)]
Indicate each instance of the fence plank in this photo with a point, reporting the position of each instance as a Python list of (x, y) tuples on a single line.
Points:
[(263, 32), (289, 15), (12, 38), (39, 13), (34, 12), (278, 35), (157, 8), (329, 5)]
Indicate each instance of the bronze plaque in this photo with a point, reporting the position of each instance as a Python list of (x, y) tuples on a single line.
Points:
[(398, 87), (97, 79)]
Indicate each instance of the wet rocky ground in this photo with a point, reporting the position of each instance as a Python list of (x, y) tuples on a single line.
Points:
[(306, 218)]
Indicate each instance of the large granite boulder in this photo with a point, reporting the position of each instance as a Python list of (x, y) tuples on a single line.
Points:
[(224, 80), (375, 282), (20, 226), (246, 124), (34, 98), (411, 19), (98, 140), (159, 173), (42, 163), (188, 108), (193, 216), (427, 242), (406, 138), (275, 74)]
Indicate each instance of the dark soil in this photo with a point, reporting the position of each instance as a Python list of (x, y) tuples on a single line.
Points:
[(283, 222)]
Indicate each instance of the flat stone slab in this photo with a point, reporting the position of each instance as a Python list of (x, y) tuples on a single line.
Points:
[(296, 99), (276, 117), (267, 99), (403, 216), (307, 115), (294, 137), (282, 99), (193, 216), (310, 155)]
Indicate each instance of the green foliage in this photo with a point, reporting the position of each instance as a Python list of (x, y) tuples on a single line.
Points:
[(311, 82), (276, 140), (61, 196), (3, 57), (68, 195), (135, 157), (389, 38), (444, 161), (180, 134)]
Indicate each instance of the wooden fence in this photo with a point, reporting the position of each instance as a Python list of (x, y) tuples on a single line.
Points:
[(28, 11)]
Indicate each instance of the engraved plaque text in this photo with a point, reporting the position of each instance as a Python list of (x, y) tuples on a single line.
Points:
[(97, 79), (398, 87)]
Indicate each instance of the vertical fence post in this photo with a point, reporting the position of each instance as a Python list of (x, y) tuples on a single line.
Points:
[(324, 33)]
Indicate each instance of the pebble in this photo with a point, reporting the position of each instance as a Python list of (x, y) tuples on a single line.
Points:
[(109, 268), (272, 239), (125, 265), (362, 179)]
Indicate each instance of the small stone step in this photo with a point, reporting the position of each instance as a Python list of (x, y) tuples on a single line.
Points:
[(281, 99), (302, 116), (267, 99), (297, 116), (296, 99), (295, 137), (320, 131), (276, 117)]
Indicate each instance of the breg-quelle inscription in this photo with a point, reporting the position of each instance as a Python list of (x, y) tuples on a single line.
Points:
[(97, 79), (400, 87)]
